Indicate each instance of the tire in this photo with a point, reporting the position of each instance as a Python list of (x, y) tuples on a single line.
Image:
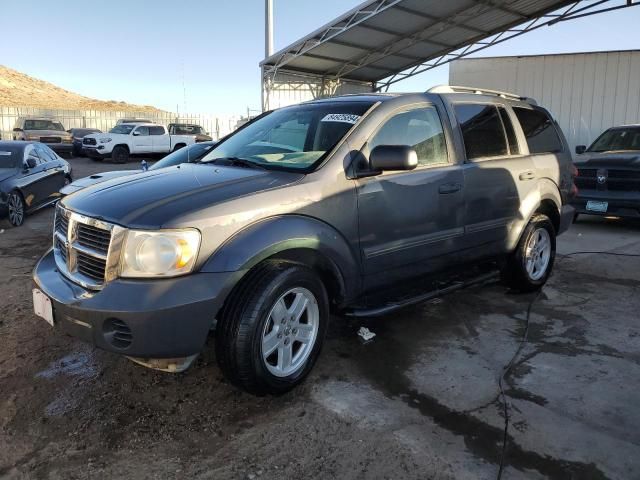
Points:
[(15, 204), (528, 268), (249, 324), (178, 147), (120, 154), (575, 217), (67, 179)]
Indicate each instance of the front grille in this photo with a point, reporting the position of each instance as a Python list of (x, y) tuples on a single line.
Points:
[(587, 172), (91, 266), (89, 141), (81, 247), (61, 223), (93, 237), (623, 185), (630, 174), (586, 183), (50, 140)]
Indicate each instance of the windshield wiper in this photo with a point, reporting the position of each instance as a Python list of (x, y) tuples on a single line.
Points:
[(237, 162)]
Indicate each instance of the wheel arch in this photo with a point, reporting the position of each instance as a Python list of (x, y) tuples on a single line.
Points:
[(297, 239), (545, 199)]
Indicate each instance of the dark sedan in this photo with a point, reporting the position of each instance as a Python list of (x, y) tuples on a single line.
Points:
[(608, 178), (31, 176), (77, 134)]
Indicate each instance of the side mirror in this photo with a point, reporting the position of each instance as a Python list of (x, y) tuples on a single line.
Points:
[(393, 157), (30, 163), (580, 149), (136, 133)]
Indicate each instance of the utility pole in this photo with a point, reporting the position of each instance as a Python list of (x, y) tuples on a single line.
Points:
[(268, 47)]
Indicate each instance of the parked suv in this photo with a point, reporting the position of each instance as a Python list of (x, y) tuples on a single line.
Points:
[(609, 174), (332, 205), (43, 130)]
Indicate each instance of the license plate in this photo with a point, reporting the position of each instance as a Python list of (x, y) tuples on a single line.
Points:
[(42, 306), (600, 207)]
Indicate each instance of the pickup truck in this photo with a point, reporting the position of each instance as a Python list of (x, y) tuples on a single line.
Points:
[(128, 139), (356, 205)]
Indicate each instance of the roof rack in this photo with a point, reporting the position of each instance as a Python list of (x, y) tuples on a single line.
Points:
[(480, 91)]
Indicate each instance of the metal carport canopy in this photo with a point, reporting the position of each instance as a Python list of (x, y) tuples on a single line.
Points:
[(394, 39)]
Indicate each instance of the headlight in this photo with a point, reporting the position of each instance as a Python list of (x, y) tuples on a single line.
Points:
[(66, 140), (164, 253), (105, 140)]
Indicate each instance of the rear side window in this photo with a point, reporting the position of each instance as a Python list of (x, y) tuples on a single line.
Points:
[(156, 131), (482, 130), (419, 128), (511, 134), (541, 134)]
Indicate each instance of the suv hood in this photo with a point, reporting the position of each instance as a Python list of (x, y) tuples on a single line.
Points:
[(608, 159), (160, 198)]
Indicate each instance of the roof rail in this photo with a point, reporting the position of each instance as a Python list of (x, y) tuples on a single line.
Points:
[(480, 91)]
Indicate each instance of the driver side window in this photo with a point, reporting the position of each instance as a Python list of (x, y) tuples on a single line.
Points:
[(142, 131), (419, 128)]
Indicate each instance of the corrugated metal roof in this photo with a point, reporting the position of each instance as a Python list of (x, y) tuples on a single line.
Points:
[(380, 38)]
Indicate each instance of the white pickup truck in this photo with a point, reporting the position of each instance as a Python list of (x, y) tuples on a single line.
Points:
[(129, 139)]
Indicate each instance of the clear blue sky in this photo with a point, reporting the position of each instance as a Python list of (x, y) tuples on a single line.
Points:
[(137, 51)]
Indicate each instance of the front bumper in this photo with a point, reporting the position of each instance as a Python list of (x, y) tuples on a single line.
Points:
[(168, 318), (96, 151), (60, 147), (620, 204)]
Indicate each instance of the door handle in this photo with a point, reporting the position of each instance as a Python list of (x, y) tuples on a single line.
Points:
[(528, 175), (449, 188)]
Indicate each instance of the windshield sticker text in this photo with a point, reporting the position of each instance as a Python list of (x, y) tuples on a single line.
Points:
[(341, 117)]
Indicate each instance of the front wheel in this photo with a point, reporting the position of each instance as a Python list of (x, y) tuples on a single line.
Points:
[(272, 328), (16, 209), (529, 266), (120, 154)]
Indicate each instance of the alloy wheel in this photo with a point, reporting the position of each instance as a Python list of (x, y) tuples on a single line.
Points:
[(290, 332), (16, 209), (538, 254)]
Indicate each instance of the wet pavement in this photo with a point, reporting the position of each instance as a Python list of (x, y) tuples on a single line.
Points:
[(420, 401)]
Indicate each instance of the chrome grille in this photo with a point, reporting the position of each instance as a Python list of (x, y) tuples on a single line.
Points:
[(93, 237), (89, 141), (84, 248)]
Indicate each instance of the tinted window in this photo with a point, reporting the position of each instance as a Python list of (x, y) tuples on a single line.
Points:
[(627, 138), (42, 125), (9, 156), (482, 130), (45, 153), (511, 134), (142, 130), (187, 130), (419, 128), (155, 130), (32, 153), (539, 130)]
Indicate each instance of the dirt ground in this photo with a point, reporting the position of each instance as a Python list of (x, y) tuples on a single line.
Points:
[(418, 402)]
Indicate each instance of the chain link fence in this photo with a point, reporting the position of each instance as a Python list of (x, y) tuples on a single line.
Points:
[(217, 126)]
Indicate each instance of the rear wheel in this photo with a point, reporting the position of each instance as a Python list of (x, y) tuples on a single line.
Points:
[(16, 209), (120, 154), (529, 267), (272, 328), (178, 147)]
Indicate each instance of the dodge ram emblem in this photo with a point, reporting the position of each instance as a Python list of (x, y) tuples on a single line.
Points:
[(602, 178)]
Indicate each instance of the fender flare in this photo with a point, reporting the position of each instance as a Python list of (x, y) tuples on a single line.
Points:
[(289, 233), (546, 192)]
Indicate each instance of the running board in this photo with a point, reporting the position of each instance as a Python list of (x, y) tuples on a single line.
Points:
[(406, 302)]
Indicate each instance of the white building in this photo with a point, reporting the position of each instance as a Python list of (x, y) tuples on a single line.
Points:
[(586, 92)]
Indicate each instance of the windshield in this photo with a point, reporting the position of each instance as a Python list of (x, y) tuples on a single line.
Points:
[(191, 153), (9, 156), (617, 139), (124, 129), (293, 138), (42, 125)]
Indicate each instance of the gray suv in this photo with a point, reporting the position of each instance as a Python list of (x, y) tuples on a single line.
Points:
[(327, 206)]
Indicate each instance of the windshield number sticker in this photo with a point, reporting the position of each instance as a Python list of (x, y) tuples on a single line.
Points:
[(341, 117)]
